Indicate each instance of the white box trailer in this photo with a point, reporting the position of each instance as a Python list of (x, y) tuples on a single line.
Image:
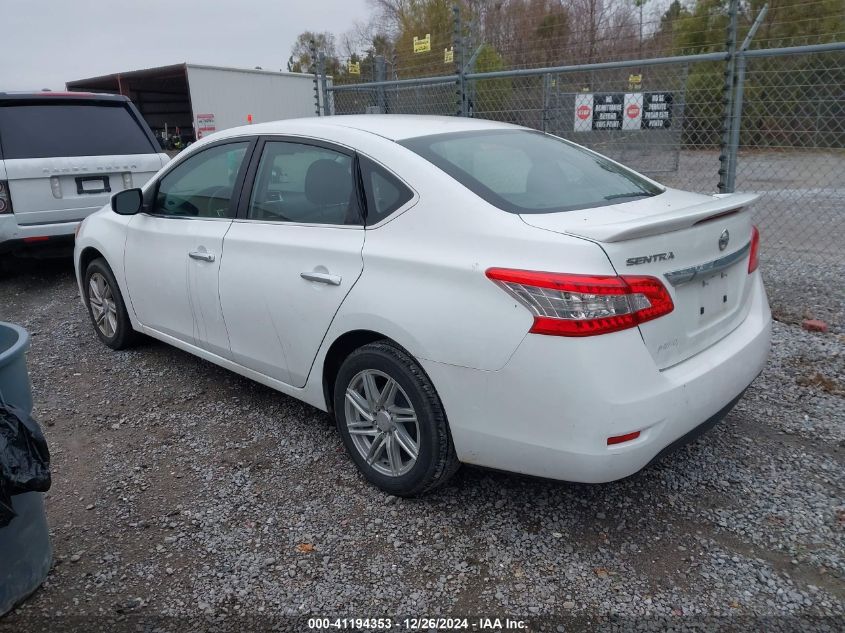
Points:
[(197, 100)]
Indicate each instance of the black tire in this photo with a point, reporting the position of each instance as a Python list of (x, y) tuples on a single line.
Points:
[(436, 461), (124, 336)]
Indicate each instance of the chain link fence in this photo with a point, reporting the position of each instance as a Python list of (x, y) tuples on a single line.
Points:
[(675, 119)]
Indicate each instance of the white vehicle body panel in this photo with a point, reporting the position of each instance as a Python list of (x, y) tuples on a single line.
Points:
[(277, 321), (38, 201), (541, 405), (37, 210), (170, 291), (583, 391), (674, 231)]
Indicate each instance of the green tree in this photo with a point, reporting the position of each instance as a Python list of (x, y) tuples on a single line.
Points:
[(300, 60), (491, 98)]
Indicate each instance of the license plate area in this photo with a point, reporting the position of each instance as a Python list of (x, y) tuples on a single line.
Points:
[(716, 295), (92, 184)]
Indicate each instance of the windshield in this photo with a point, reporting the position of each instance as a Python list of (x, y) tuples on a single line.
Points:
[(522, 171)]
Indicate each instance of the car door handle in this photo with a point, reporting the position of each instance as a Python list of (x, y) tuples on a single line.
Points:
[(204, 256), (322, 278)]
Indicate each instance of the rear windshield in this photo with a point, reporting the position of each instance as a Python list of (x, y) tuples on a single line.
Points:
[(70, 129), (522, 171)]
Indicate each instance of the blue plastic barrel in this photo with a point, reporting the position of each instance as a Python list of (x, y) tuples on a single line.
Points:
[(25, 553)]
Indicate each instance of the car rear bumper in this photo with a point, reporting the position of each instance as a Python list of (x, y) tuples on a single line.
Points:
[(550, 411), (35, 237), (14, 236)]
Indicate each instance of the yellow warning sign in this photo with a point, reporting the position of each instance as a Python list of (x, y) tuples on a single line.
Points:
[(354, 68), (422, 44), (635, 82), (448, 55)]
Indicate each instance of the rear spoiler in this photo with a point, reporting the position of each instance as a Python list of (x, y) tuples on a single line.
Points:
[(674, 220)]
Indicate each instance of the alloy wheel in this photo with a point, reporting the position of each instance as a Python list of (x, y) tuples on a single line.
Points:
[(382, 422), (103, 306)]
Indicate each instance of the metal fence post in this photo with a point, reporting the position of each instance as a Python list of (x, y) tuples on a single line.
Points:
[(547, 88), (324, 84), (727, 99), (312, 45), (394, 71), (381, 76), (736, 116), (458, 52)]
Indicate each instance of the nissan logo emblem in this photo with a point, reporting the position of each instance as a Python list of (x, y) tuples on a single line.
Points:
[(724, 238)]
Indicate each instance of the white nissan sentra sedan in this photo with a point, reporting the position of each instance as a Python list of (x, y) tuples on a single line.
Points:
[(451, 290)]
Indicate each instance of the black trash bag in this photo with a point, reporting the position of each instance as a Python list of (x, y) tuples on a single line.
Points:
[(24, 458)]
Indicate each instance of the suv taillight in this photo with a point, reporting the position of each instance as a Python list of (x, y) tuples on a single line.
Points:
[(754, 258), (5, 198), (584, 305)]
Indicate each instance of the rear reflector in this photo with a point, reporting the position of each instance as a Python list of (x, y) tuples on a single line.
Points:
[(619, 439), (39, 238), (754, 258), (584, 305), (5, 198)]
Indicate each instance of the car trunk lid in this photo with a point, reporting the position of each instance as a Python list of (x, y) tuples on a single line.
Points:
[(696, 245), (46, 190)]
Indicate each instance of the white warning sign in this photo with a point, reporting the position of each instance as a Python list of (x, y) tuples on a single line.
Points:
[(583, 112), (632, 112)]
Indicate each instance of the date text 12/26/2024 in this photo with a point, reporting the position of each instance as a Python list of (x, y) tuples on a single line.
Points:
[(419, 624)]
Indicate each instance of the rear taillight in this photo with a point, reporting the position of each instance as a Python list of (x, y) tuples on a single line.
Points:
[(584, 305), (5, 198), (754, 259)]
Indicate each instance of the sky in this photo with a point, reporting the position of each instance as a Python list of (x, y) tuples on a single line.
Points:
[(46, 43)]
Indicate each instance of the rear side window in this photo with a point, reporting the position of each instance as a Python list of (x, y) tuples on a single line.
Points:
[(305, 184), (71, 129), (385, 193), (522, 171)]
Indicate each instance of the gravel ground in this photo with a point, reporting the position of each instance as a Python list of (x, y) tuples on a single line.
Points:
[(186, 493)]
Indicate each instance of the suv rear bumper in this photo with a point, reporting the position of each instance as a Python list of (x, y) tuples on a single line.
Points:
[(14, 237), (550, 411)]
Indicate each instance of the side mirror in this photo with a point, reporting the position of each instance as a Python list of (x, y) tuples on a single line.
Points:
[(127, 202)]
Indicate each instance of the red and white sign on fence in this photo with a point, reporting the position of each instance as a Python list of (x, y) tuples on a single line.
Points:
[(633, 111), (583, 112)]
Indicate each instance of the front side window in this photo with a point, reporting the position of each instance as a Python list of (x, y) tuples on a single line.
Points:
[(203, 184), (304, 184), (522, 171)]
